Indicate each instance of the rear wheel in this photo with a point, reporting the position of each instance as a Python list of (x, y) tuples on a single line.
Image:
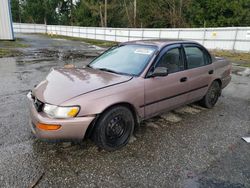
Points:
[(212, 95), (114, 128)]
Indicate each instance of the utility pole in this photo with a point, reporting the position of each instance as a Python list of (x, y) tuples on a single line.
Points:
[(181, 3), (105, 13), (134, 13), (71, 11), (130, 22), (100, 11), (180, 13)]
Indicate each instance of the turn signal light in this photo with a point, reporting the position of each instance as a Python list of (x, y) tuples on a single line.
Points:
[(48, 127)]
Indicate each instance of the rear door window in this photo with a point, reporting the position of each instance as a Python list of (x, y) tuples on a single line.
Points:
[(196, 57)]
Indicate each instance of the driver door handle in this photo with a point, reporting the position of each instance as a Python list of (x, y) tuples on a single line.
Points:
[(184, 79), (211, 72)]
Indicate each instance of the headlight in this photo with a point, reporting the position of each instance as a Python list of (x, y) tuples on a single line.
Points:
[(60, 112)]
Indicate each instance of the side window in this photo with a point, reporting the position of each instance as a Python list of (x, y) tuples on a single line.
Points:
[(195, 57), (172, 61)]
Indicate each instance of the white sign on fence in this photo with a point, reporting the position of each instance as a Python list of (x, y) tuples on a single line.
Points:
[(248, 35)]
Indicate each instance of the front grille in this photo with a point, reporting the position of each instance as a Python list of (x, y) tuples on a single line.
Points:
[(38, 104)]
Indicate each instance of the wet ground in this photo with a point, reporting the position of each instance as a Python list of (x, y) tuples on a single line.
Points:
[(189, 147)]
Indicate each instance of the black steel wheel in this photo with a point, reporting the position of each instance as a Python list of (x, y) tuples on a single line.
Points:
[(212, 95), (114, 128)]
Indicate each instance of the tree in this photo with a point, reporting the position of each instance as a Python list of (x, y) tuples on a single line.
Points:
[(86, 13), (16, 10), (40, 11), (134, 13), (218, 13), (162, 13)]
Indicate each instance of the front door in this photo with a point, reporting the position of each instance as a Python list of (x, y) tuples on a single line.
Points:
[(168, 92)]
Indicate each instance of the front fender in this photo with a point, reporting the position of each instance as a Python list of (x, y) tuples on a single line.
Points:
[(96, 102)]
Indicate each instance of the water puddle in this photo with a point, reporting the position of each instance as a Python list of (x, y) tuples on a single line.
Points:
[(240, 71)]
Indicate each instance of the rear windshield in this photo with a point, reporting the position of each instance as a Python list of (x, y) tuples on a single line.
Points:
[(128, 59)]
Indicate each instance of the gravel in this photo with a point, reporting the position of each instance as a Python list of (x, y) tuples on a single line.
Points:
[(188, 147)]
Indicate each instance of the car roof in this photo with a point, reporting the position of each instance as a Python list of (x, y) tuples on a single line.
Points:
[(158, 42)]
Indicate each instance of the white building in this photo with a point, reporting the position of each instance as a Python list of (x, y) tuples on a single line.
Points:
[(6, 27)]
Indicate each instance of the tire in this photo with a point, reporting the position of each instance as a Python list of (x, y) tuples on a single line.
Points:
[(113, 129), (212, 95)]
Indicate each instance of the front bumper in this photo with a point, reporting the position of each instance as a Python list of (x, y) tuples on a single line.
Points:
[(71, 129)]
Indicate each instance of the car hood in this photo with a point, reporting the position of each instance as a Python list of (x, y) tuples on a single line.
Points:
[(64, 84)]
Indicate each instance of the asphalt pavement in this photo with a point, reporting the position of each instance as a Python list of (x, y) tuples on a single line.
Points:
[(189, 147)]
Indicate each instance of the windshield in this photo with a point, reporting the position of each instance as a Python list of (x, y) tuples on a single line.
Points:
[(127, 59)]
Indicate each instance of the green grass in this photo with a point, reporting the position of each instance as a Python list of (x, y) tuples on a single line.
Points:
[(7, 52), (4, 52), (18, 43), (243, 59), (245, 65), (10, 48), (89, 41)]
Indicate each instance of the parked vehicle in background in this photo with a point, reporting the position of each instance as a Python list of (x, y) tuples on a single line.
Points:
[(125, 85)]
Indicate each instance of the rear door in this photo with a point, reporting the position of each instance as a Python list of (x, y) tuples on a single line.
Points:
[(164, 93), (199, 69)]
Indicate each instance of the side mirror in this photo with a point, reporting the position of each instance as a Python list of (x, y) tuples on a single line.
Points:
[(159, 71)]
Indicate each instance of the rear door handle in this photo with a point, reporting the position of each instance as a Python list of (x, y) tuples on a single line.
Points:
[(211, 72), (184, 79)]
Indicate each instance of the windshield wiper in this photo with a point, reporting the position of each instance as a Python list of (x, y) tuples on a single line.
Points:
[(108, 70), (103, 69), (89, 66), (111, 71)]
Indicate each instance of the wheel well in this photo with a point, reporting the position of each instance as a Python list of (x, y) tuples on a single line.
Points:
[(127, 105), (219, 81)]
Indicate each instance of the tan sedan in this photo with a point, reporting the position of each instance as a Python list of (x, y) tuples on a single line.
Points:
[(125, 85)]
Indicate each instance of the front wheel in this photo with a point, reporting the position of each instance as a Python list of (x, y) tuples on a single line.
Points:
[(212, 95), (114, 128)]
